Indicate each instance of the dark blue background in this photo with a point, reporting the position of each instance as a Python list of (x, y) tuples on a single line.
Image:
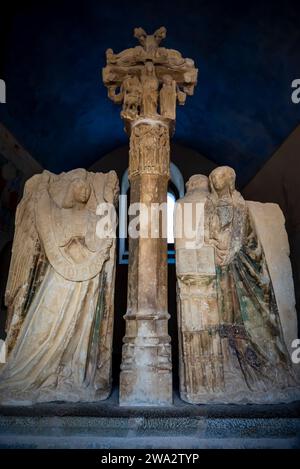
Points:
[(247, 53)]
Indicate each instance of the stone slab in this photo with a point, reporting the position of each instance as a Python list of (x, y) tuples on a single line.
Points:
[(270, 226), (106, 425)]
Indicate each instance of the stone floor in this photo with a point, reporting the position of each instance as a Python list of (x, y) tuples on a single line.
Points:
[(181, 426)]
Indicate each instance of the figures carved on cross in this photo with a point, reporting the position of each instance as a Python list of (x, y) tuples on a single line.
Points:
[(149, 80)]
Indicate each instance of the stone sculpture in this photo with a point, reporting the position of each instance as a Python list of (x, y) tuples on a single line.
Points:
[(60, 291), (232, 348), (168, 97), (162, 77), (269, 224), (130, 94), (149, 90)]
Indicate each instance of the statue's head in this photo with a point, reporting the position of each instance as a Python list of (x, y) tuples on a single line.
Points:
[(167, 79), (79, 192), (149, 67), (221, 178), (197, 182)]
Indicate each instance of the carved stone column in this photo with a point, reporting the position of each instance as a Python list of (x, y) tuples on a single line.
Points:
[(148, 80), (146, 371)]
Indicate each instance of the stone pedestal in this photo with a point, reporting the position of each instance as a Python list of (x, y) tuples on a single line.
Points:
[(146, 369)]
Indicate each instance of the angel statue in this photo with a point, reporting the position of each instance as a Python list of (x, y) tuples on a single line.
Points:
[(233, 349), (60, 290)]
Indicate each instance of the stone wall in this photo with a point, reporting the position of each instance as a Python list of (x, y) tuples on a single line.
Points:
[(278, 182)]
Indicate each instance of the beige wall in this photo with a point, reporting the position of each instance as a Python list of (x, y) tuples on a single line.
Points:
[(279, 181)]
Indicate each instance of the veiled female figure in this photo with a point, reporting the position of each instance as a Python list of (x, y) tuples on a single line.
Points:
[(256, 365), (60, 292), (150, 84), (168, 96)]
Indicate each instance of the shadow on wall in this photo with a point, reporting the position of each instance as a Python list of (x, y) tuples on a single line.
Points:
[(279, 182)]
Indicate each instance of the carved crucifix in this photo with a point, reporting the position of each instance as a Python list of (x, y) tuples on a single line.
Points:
[(148, 80)]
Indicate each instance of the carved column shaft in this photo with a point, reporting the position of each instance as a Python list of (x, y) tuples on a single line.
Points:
[(146, 377)]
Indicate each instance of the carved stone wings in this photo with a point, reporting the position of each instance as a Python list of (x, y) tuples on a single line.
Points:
[(35, 245)]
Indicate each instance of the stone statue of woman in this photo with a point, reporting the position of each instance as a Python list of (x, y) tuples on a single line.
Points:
[(60, 291), (231, 337), (168, 96), (150, 85)]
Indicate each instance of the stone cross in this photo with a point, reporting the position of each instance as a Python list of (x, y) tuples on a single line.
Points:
[(148, 80)]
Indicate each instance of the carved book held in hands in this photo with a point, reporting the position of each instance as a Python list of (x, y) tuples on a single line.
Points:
[(233, 318)]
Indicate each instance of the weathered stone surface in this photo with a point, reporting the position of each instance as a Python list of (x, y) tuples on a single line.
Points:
[(148, 80), (196, 293), (270, 227), (199, 432), (146, 377), (60, 289), (2, 352), (104, 424), (232, 348)]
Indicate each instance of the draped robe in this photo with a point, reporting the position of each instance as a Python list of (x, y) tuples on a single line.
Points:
[(256, 366), (61, 337)]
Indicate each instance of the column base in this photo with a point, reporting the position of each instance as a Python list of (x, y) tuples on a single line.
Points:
[(142, 387)]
